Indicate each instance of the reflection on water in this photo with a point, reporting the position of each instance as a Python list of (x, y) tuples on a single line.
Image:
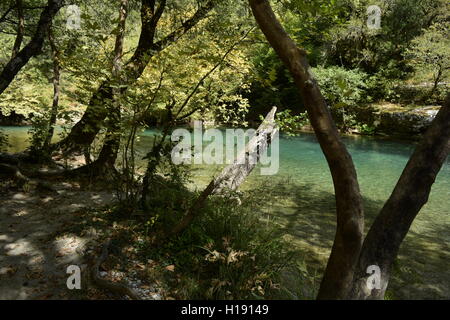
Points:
[(304, 205)]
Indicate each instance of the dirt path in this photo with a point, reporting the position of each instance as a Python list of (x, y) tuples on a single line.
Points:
[(33, 259)]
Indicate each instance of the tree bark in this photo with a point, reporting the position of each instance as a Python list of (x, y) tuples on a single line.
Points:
[(338, 275), (20, 29), (233, 175), (56, 90), (85, 130), (411, 192), (33, 48), (110, 149)]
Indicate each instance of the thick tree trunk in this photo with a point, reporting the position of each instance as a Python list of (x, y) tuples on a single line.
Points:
[(33, 48), (85, 131), (411, 192), (56, 90), (110, 149), (350, 219)]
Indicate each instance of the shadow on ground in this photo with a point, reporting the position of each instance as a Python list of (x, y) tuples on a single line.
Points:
[(307, 217), (33, 256)]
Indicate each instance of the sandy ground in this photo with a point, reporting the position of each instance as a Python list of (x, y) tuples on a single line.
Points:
[(33, 258)]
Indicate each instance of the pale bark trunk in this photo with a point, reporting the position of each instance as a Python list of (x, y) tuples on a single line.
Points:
[(234, 175), (350, 219)]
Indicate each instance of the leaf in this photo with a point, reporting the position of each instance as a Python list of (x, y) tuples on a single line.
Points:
[(170, 268)]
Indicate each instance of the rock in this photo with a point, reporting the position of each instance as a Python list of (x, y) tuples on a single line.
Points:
[(393, 119), (19, 196), (156, 296)]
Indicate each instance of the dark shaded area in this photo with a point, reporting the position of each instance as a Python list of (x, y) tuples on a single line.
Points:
[(421, 269)]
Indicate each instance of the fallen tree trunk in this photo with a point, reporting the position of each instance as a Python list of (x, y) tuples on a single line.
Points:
[(235, 174)]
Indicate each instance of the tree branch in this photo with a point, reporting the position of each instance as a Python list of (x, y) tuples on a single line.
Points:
[(33, 48), (185, 27), (20, 29), (3, 17)]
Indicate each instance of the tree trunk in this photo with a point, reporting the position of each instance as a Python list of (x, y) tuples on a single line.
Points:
[(350, 218), (56, 90), (411, 192), (233, 175), (20, 29), (33, 48), (110, 149), (85, 130)]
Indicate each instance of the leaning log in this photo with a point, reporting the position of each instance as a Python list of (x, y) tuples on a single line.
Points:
[(235, 174)]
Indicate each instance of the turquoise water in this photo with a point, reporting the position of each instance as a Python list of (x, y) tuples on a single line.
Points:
[(300, 198)]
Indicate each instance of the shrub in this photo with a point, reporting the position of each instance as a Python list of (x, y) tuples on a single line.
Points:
[(228, 252), (289, 123), (341, 87)]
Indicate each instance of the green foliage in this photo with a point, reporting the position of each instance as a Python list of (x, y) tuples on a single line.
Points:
[(38, 132), (167, 196), (430, 53), (291, 124), (228, 252), (355, 45), (341, 87), (367, 129)]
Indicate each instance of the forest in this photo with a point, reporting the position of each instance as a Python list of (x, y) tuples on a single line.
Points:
[(224, 149)]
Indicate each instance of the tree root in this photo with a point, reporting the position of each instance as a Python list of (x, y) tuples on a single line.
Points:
[(117, 288), (94, 169), (12, 172)]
